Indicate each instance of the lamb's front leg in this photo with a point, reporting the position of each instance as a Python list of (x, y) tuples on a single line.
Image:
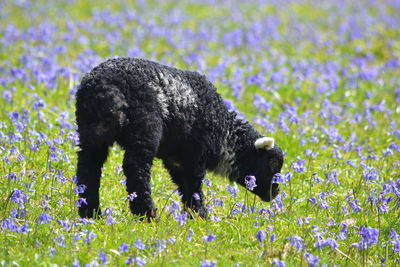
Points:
[(137, 167), (90, 161), (189, 184), (193, 197)]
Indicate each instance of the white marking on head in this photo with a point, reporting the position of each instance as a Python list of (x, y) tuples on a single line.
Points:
[(264, 143)]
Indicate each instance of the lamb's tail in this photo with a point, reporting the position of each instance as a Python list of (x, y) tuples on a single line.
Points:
[(100, 113)]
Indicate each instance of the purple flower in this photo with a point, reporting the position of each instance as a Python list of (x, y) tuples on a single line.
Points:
[(250, 182), (9, 224), (207, 182), (24, 229), (343, 232), (261, 236), (311, 259), (124, 247), (76, 263), (208, 263), (140, 262), (79, 189), (60, 240), (353, 204), (139, 244), (19, 197), (209, 238), (181, 218), (190, 235), (130, 261), (272, 238), (332, 177), (196, 196), (161, 245), (89, 237), (132, 196), (278, 263), (369, 236), (232, 191), (52, 252), (44, 218), (297, 242), (110, 220), (371, 175), (103, 258), (313, 200), (7, 94), (298, 166), (278, 178), (396, 240)]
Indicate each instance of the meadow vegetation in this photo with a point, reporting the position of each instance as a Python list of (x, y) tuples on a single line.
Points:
[(321, 77)]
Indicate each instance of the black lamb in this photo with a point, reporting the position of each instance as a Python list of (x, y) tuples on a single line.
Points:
[(152, 110)]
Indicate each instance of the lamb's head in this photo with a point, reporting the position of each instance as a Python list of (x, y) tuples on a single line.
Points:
[(264, 160)]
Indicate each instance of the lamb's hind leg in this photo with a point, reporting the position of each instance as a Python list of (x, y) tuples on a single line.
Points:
[(189, 182), (90, 160)]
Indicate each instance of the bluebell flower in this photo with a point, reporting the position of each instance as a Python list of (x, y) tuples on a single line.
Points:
[(140, 262), (332, 176), (60, 240), (7, 95), (207, 182), (297, 242), (9, 224), (261, 236), (89, 237), (371, 175), (369, 236), (124, 247), (250, 182), (161, 245), (313, 200), (181, 217), (103, 258), (52, 252), (44, 218), (278, 263), (139, 244), (132, 196), (19, 197), (272, 238), (196, 196), (209, 238), (130, 261), (298, 166), (311, 259), (343, 232), (208, 263), (79, 202), (232, 191), (190, 235)]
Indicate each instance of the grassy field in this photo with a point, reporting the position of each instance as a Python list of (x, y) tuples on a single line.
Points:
[(321, 77)]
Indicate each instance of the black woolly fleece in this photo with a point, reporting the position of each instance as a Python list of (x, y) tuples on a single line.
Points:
[(153, 110)]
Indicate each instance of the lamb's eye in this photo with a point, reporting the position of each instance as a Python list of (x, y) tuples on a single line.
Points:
[(274, 165)]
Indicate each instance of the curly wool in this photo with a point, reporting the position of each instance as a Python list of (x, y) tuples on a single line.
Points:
[(153, 110)]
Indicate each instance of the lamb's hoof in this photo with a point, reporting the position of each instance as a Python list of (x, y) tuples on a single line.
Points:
[(200, 212), (149, 215), (90, 213), (203, 213)]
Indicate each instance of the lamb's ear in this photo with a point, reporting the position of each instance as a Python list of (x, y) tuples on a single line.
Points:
[(264, 143)]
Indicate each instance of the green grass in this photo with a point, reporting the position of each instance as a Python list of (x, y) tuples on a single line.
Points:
[(236, 233)]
